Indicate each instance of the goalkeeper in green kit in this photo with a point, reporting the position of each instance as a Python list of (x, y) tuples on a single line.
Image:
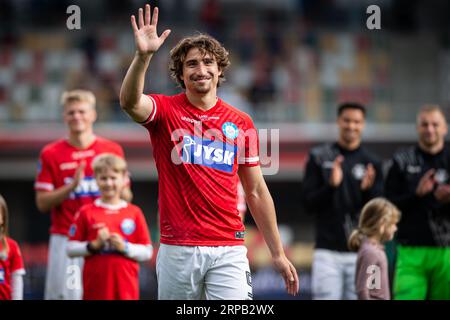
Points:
[(418, 182)]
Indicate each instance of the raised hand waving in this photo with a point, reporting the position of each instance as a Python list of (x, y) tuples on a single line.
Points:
[(146, 36)]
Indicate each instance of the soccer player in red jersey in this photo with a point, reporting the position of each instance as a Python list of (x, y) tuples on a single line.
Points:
[(65, 182), (112, 235), (200, 145), (11, 262)]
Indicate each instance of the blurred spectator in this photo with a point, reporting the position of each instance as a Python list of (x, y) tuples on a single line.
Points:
[(318, 54), (210, 16)]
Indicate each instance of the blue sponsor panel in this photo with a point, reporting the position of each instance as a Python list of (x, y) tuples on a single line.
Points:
[(218, 155), (86, 188)]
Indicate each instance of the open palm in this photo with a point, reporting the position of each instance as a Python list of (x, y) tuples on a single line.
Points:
[(146, 36)]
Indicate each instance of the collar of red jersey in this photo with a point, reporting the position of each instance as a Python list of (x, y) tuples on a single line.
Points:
[(120, 205)]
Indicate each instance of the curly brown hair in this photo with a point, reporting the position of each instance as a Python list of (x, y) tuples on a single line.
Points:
[(206, 44)]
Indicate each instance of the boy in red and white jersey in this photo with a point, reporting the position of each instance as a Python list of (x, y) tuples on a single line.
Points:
[(111, 235)]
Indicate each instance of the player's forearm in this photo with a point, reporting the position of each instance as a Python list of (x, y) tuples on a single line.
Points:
[(139, 252), (263, 211), (133, 83), (46, 200), (77, 249)]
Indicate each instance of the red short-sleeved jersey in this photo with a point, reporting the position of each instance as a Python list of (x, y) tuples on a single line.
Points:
[(110, 275), (13, 263), (197, 154)]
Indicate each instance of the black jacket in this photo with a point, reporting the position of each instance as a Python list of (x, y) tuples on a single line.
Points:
[(337, 209), (425, 221)]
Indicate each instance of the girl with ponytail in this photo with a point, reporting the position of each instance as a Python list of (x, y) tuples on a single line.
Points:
[(377, 224), (11, 263)]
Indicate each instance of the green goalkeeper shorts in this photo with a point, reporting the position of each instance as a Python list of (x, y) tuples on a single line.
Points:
[(422, 273)]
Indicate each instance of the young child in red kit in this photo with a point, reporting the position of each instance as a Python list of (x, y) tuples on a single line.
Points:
[(11, 262), (112, 235)]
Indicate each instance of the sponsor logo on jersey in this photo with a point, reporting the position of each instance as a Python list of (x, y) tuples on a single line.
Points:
[(68, 165), (230, 130), (205, 117), (201, 118), (2, 275), (413, 169), (210, 153), (358, 171), (190, 120), (239, 234), (128, 226), (87, 187), (76, 155), (98, 225)]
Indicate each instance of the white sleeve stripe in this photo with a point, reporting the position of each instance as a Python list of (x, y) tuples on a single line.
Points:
[(44, 185), (153, 113), (154, 108), (19, 272), (253, 159)]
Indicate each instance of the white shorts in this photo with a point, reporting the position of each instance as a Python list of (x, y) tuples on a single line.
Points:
[(64, 274), (201, 272), (333, 275)]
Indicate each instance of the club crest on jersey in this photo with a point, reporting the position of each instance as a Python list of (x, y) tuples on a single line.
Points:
[(358, 171), (441, 176), (128, 226), (230, 130), (214, 154), (87, 187), (2, 275)]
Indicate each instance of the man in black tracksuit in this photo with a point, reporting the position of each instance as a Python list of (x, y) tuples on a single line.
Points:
[(339, 179), (418, 183)]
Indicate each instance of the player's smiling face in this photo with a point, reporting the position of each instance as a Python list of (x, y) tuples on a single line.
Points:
[(351, 124), (431, 128), (200, 72), (110, 184), (79, 116)]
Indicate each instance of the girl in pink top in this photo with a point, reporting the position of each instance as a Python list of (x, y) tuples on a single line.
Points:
[(377, 224)]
